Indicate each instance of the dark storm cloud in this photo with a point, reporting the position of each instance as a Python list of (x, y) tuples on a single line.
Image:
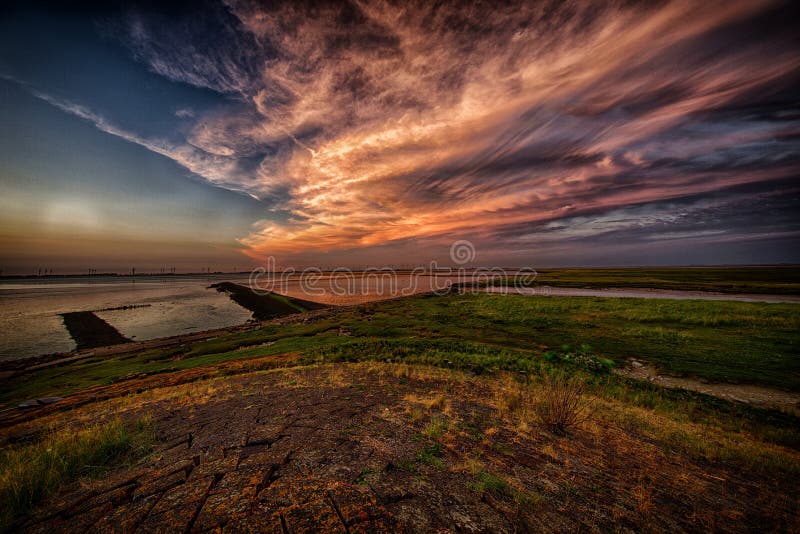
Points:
[(750, 211)]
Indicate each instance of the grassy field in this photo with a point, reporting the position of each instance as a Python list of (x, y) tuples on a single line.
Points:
[(780, 280), (725, 341)]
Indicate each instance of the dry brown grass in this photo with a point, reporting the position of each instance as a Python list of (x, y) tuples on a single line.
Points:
[(558, 403), (562, 404), (414, 413), (433, 402), (513, 400), (436, 406), (336, 377), (32, 472), (643, 497), (403, 371)]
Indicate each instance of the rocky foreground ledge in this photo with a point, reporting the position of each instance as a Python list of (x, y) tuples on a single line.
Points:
[(389, 447)]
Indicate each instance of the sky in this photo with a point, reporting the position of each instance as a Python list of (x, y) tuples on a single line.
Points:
[(564, 133)]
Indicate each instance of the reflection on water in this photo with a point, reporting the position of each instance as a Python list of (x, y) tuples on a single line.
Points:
[(185, 309)]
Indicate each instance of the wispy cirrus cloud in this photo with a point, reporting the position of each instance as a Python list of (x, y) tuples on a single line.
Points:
[(218, 169)]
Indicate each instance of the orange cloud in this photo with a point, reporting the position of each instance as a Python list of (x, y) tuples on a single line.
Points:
[(403, 155)]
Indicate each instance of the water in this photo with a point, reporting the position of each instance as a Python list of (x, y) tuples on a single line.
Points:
[(345, 289), (30, 323)]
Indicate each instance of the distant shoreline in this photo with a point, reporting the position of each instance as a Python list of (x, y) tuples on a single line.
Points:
[(440, 271)]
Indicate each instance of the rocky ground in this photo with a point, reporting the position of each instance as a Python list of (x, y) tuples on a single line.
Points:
[(382, 447)]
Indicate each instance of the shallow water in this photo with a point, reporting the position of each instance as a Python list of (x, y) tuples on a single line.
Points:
[(356, 288), (30, 323)]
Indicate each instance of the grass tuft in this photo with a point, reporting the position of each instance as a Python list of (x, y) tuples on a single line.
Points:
[(431, 455), (563, 404), (491, 483), (436, 427), (31, 473)]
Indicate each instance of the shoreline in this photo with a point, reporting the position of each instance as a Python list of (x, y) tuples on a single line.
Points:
[(740, 392), (21, 366), (32, 363), (268, 305)]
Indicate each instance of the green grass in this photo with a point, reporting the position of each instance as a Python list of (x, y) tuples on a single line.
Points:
[(728, 341), (436, 427), (780, 280), (32, 472), (489, 482), (431, 455), (703, 443)]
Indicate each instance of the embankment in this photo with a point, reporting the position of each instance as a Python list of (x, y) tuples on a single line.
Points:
[(90, 331), (266, 305)]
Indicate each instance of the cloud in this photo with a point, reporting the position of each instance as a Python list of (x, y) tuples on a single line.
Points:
[(184, 113), (204, 48), (218, 169), (373, 123), (760, 210)]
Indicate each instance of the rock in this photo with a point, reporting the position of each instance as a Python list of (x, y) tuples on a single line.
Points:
[(636, 364), (39, 402)]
